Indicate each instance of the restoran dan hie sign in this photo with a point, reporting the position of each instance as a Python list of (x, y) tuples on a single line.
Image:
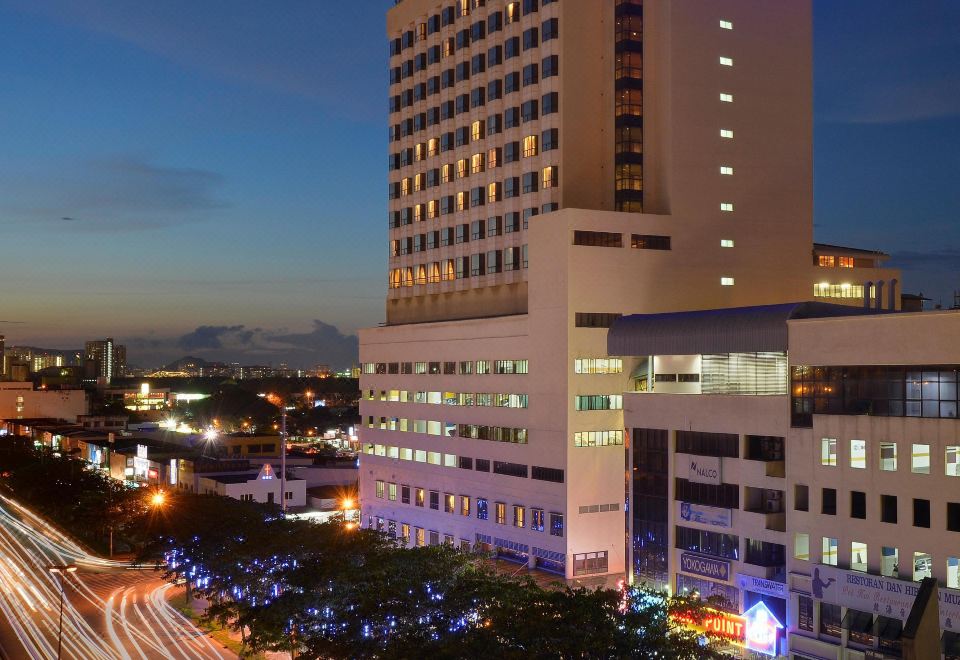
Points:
[(699, 469)]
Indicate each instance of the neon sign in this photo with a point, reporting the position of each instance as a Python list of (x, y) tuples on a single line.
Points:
[(762, 629)]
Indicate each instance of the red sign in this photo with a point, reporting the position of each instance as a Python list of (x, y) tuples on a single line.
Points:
[(722, 624), (152, 473)]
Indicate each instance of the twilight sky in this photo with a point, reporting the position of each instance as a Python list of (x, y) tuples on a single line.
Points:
[(209, 177)]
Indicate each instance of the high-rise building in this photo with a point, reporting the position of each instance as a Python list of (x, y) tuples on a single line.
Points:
[(105, 359), (552, 166)]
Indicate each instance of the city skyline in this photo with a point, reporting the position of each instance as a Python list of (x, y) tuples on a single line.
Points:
[(220, 200)]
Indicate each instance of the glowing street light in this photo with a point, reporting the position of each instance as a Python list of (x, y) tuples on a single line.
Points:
[(158, 499), (60, 570)]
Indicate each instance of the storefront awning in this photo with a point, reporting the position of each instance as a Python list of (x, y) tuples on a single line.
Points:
[(857, 621), (887, 628)]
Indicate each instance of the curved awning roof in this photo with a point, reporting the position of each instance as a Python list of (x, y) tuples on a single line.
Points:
[(734, 330)]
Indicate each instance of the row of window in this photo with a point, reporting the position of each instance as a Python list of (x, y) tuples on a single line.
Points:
[(530, 110), (889, 559), (598, 366), (920, 455), (825, 261), (495, 21), (494, 90), (450, 429), (888, 507), (458, 268), (408, 215), (510, 152), (597, 438), (537, 472), (461, 368), (494, 400), (491, 193), (598, 402), (615, 239)]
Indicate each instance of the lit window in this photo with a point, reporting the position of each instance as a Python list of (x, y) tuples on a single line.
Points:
[(549, 177), (726, 98), (726, 281), (858, 556), (476, 163), (801, 546), (518, 517), (726, 133), (463, 168), (529, 146), (829, 551), (920, 459), (726, 25), (446, 173), (952, 461), (828, 451), (888, 456), (476, 130), (953, 573), (501, 513), (858, 454), (464, 505), (726, 207), (726, 61), (889, 562), (826, 261), (846, 262), (726, 170), (922, 566), (726, 242)]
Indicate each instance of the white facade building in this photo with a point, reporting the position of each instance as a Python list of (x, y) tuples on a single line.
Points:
[(263, 487)]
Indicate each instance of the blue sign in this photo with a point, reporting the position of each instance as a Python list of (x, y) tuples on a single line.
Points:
[(711, 568), (705, 515), (762, 629)]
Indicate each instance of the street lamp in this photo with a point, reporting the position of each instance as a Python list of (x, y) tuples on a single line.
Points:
[(158, 499), (60, 570), (277, 401), (345, 504)]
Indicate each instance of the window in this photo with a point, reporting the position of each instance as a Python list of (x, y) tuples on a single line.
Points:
[(858, 556), (550, 103), (726, 170), (828, 451), (889, 562), (549, 177), (405, 494), (953, 572), (434, 500), (830, 619), (726, 25), (727, 281), (920, 459), (888, 456), (829, 502), (392, 492), (951, 464), (556, 524), (649, 242), (858, 504), (536, 520), (529, 146), (726, 243), (599, 402), (595, 319), (726, 207), (726, 98), (550, 29), (449, 503), (845, 262), (597, 239), (510, 469), (519, 520), (482, 508), (953, 517), (888, 509), (554, 475), (550, 139), (801, 497), (921, 513), (420, 497), (501, 513), (531, 182), (726, 133), (858, 454), (714, 544), (922, 566), (829, 551), (801, 546), (726, 61)]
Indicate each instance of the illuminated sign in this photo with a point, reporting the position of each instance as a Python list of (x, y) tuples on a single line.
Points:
[(731, 627), (153, 473), (711, 568), (266, 472), (762, 629)]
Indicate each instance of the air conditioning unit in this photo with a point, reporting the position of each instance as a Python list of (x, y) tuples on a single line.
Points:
[(773, 506)]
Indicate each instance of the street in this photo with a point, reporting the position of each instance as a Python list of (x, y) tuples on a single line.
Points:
[(110, 610)]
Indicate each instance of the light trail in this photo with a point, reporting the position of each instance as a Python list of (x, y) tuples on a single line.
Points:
[(95, 627)]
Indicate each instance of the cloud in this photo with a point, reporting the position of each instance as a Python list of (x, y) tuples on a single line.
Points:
[(894, 102), (321, 344), (123, 192)]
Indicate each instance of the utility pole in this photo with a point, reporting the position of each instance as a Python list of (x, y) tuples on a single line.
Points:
[(283, 456), (60, 571)]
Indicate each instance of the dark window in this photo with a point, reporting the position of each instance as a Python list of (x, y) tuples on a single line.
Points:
[(888, 509), (699, 443), (597, 238), (494, 90), (829, 502), (511, 118), (530, 6), (858, 504), (550, 66), (547, 474), (531, 38), (495, 22), (528, 111), (724, 496), (550, 103), (478, 64), (466, 463), (511, 47), (953, 517), (556, 524), (434, 500), (921, 513), (511, 152), (511, 83), (703, 542), (595, 319), (511, 187), (762, 553), (495, 56), (550, 29), (830, 620), (510, 469), (531, 75), (531, 182), (483, 465), (550, 139), (801, 497), (648, 242), (405, 494)]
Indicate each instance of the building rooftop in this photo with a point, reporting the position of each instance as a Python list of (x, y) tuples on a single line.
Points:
[(734, 330), (819, 248)]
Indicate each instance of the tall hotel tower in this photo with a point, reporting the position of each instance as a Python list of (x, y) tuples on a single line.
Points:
[(553, 165)]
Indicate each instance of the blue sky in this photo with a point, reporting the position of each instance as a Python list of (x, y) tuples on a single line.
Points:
[(174, 167)]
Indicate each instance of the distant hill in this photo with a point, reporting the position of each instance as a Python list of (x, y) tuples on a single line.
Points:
[(187, 363)]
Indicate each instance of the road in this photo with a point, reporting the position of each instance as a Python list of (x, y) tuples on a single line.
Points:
[(110, 612)]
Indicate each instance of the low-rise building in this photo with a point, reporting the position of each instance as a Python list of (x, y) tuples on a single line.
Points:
[(262, 486)]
